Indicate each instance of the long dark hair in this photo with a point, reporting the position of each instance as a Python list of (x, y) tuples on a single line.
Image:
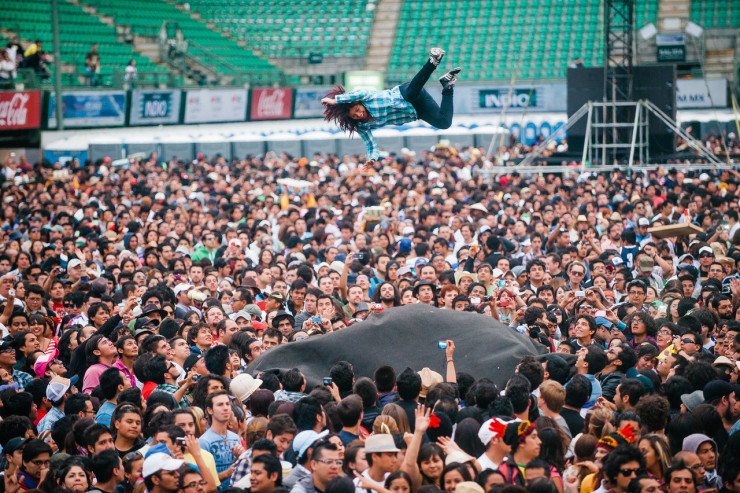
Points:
[(339, 113)]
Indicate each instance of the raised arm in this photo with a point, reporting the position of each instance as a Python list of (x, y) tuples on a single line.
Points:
[(353, 96)]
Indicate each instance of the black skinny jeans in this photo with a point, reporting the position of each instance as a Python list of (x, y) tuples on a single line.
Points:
[(423, 102)]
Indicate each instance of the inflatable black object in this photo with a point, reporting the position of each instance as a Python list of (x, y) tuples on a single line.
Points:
[(407, 336)]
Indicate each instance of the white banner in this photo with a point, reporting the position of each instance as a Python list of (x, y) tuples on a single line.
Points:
[(215, 105), (701, 93)]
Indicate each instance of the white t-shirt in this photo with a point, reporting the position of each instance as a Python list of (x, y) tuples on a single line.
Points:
[(486, 463), (359, 489)]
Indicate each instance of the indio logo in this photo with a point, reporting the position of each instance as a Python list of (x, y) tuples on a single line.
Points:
[(499, 98)]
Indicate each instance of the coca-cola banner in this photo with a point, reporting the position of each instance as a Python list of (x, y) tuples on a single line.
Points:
[(20, 110), (271, 104), (215, 105)]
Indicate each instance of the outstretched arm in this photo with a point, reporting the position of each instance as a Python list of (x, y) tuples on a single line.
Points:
[(352, 96), (373, 152)]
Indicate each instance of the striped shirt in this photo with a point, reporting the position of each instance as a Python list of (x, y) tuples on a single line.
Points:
[(386, 107)]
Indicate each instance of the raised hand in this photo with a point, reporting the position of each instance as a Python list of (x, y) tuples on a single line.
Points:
[(422, 416)]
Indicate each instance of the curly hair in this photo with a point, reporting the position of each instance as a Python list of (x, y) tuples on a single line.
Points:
[(339, 113)]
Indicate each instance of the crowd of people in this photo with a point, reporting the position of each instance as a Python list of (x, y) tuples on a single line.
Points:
[(134, 300)]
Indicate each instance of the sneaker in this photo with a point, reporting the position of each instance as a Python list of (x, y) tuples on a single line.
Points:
[(448, 80), (436, 55)]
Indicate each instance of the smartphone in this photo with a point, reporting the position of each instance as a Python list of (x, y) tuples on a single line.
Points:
[(580, 294), (502, 283), (475, 301), (442, 344), (316, 320), (84, 279), (11, 292), (181, 442), (327, 381)]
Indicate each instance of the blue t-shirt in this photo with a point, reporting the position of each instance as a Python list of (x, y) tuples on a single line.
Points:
[(105, 413), (220, 447)]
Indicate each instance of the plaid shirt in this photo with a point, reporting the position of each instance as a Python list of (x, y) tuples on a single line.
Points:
[(22, 379), (386, 107), (171, 389), (242, 466)]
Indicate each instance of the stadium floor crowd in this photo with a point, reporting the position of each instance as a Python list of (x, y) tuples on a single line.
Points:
[(134, 300)]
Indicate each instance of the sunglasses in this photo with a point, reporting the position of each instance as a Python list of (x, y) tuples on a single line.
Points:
[(629, 472), (688, 341)]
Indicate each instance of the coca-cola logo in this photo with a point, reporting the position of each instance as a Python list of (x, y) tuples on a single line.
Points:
[(271, 104), (14, 113)]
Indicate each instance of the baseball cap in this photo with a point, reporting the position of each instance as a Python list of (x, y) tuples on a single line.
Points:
[(277, 295), (617, 261), (408, 231), (13, 445), (305, 439), (716, 389), (706, 249), (603, 321), (643, 221), (75, 262), (57, 387), (646, 263), (182, 287), (241, 314), (160, 462), (191, 361), (404, 245)]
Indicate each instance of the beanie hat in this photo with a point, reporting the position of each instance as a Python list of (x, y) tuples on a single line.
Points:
[(517, 432)]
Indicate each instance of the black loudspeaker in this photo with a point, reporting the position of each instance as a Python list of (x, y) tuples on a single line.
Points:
[(657, 83), (584, 85)]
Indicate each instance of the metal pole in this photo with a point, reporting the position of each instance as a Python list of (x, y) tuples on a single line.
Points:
[(587, 138), (58, 103), (634, 134)]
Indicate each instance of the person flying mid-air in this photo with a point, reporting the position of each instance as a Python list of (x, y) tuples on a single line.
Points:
[(364, 110)]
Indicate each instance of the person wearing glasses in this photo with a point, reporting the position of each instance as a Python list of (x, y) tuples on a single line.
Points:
[(35, 465), (191, 481), (621, 465), (576, 275)]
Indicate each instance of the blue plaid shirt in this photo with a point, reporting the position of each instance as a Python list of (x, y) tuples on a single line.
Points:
[(22, 379), (386, 107)]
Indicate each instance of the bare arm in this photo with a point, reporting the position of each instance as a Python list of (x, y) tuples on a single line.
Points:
[(5, 317), (449, 351), (194, 448), (421, 415)]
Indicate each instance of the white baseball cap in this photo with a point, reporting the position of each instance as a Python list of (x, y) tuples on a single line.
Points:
[(160, 462), (182, 287), (75, 262)]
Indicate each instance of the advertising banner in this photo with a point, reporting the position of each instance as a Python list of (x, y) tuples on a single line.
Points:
[(364, 79), (671, 47), (19, 110), (308, 102), (493, 99), (701, 93), (90, 109), (215, 105), (154, 107), (271, 104)]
